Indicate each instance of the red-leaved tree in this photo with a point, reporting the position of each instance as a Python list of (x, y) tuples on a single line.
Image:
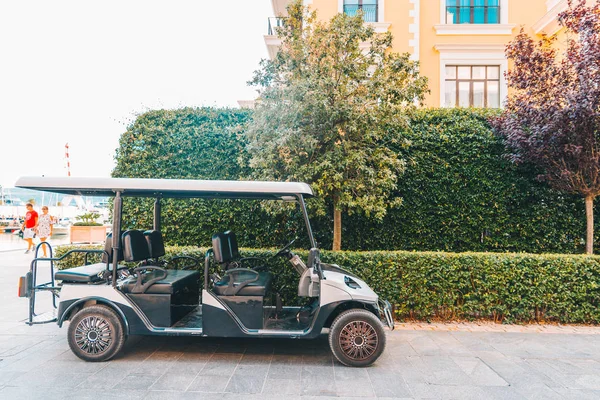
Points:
[(552, 115)]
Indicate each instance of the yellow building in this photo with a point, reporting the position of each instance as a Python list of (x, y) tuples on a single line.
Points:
[(459, 43)]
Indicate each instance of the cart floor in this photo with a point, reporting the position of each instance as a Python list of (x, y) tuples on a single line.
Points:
[(191, 320), (285, 320)]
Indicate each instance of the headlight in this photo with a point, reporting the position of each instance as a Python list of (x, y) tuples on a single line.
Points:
[(351, 283)]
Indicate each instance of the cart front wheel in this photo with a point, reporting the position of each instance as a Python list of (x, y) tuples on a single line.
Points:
[(96, 333), (357, 338)]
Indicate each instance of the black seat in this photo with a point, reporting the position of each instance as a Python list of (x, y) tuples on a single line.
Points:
[(222, 250), (175, 282), (107, 256), (85, 274), (92, 273), (227, 254), (244, 282), (237, 281), (135, 248), (156, 246), (244, 262)]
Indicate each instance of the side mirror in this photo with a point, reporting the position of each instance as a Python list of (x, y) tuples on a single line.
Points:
[(313, 258)]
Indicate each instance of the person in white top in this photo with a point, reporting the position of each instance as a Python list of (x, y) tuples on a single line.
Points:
[(44, 227)]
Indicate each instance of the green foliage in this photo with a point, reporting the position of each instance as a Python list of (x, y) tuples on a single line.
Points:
[(461, 194), (76, 259), (503, 287), (87, 219), (330, 107), (190, 143)]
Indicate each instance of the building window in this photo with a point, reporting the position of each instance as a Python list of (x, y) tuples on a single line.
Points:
[(368, 7), (472, 11), (472, 86)]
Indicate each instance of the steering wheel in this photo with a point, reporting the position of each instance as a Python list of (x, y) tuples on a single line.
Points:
[(285, 249)]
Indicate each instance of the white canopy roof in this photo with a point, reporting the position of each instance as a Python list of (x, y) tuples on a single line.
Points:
[(177, 188)]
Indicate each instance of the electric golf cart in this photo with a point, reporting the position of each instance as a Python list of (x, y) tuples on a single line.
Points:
[(105, 302)]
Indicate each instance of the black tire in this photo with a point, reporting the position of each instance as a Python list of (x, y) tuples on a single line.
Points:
[(96, 333), (357, 338)]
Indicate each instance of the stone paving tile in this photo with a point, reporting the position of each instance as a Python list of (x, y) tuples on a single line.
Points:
[(283, 387), (173, 381), (479, 373), (538, 391), (48, 378), (66, 394), (223, 364), (105, 379), (166, 395), (388, 384), (242, 383), (588, 382), (209, 383), (6, 377), (462, 392), (577, 394), (186, 367), (137, 382)]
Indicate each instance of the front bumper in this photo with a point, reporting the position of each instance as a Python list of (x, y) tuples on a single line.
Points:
[(385, 309)]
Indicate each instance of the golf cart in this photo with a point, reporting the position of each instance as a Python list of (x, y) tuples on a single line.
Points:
[(105, 302)]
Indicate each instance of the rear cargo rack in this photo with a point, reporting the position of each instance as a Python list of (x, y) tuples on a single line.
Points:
[(28, 286)]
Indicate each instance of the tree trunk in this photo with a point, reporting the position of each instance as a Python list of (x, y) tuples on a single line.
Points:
[(589, 216), (337, 224)]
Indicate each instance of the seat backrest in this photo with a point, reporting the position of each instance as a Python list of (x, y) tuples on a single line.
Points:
[(156, 246), (107, 258), (233, 245), (221, 249), (135, 246)]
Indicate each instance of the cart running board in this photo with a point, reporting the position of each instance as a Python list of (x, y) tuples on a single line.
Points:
[(44, 318)]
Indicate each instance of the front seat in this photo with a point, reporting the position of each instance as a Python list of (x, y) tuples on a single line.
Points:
[(237, 281)]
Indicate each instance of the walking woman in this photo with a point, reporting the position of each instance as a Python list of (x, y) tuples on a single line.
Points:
[(44, 227)]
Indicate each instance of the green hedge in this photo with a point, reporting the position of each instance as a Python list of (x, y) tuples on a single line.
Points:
[(459, 191), (502, 287)]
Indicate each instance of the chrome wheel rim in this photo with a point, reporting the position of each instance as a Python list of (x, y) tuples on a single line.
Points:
[(93, 335), (358, 340)]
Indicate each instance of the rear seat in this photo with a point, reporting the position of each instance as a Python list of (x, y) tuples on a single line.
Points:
[(84, 274), (91, 273), (175, 282), (167, 300)]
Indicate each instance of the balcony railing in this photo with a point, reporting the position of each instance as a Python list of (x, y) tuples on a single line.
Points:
[(274, 23), (473, 14), (369, 11)]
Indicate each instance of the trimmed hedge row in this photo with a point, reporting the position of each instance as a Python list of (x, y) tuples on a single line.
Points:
[(460, 193), (503, 287)]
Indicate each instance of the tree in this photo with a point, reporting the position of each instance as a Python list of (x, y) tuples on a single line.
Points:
[(330, 104), (552, 116)]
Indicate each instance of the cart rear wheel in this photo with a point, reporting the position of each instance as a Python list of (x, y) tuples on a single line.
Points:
[(357, 338), (96, 333)]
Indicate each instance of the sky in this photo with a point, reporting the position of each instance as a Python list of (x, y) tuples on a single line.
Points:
[(79, 72)]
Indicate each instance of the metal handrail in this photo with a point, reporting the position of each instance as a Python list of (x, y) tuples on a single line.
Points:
[(50, 285), (453, 14), (370, 11)]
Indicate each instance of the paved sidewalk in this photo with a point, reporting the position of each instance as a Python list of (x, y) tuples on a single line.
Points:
[(422, 361)]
